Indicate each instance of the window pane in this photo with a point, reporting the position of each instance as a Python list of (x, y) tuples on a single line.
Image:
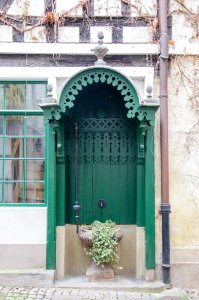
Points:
[(1, 170), (13, 170), (35, 192), (0, 192), (35, 125), (1, 97), (13, 192), (14, 125), (34, 95), (1, 125), (15, 96), (35, 147), (14, 147), (1, 146), (35, 170)]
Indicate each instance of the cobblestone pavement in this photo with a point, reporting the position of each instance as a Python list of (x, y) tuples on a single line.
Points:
[(31, 293)]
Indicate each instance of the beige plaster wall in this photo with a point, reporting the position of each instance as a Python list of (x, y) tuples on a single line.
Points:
[(72, 260), (183, 90)]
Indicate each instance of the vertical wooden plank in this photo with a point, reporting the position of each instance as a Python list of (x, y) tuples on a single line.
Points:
[(70, 197), (61, 173), (140, 191), (81, 189), (106, 194), (125, 197), (88, 177), (115, 193), (150, 200), (50, 195), (61, 191), (131, 193), (97, 189), (140, 180), (87, 182)]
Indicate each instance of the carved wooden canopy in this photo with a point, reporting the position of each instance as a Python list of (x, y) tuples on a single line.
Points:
[(102, 75)]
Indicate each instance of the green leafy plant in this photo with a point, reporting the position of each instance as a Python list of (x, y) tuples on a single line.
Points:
[(104, 248)]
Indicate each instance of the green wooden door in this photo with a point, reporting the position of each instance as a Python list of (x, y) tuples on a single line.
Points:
[(106, 157)]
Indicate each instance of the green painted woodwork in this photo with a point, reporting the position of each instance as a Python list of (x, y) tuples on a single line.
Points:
[(20, 113), (103, 75), (140, 178), (50, 195), (61, 192), (140, 193), (98, 174), (106, 157), (150, 200)]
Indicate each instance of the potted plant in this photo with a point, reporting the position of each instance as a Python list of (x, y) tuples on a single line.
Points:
[(101, 240)]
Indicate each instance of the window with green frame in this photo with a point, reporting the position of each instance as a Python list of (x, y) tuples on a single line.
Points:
[(22, 143)]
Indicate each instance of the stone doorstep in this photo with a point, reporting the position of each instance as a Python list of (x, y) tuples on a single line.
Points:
[(118, 283), (38, 278)]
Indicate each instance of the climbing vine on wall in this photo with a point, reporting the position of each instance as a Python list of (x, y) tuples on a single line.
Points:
[(25, 22)]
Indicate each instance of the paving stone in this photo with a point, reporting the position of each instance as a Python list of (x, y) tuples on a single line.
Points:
[(75, 292), (24, 293)]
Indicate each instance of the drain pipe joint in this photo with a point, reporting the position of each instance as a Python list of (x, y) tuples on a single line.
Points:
[(164, 46)]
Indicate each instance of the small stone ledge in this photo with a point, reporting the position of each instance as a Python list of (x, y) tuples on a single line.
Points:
[(36, 277)]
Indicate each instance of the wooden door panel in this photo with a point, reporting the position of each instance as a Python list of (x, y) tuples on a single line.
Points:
[(106, 158)]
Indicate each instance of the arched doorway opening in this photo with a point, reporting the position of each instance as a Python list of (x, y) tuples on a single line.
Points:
[(106, 157)]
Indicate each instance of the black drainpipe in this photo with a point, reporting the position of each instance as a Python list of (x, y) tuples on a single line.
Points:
[(165, 206)]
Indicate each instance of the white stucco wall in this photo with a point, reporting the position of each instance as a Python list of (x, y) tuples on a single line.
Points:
[(183, 101), (32, 7), (184, 153), (23, 225)]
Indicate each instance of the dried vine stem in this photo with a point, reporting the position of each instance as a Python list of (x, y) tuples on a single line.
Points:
[(53, 18), (192, 16)]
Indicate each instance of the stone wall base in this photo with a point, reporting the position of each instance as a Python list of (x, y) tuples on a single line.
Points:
[(184, 275)]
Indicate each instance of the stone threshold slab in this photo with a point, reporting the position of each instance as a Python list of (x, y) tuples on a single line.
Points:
[(118, 283)]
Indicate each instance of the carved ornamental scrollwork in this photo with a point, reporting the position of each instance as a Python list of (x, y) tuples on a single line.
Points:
[(101, 75)]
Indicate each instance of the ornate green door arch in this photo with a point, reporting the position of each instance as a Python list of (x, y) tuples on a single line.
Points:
[(55, 167)]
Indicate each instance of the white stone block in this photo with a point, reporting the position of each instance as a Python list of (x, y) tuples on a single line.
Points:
[(68, 35), (34, 8), (136, 34), (107, 31), (143, 8), (71, 7), (106, 8), (183, 31), (37, 34), (191, 5), (5, 33)]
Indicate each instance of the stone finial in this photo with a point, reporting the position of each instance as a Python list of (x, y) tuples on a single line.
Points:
[(49, 97), (100, 50), (149, 99), (48, 100), (149, 90)]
